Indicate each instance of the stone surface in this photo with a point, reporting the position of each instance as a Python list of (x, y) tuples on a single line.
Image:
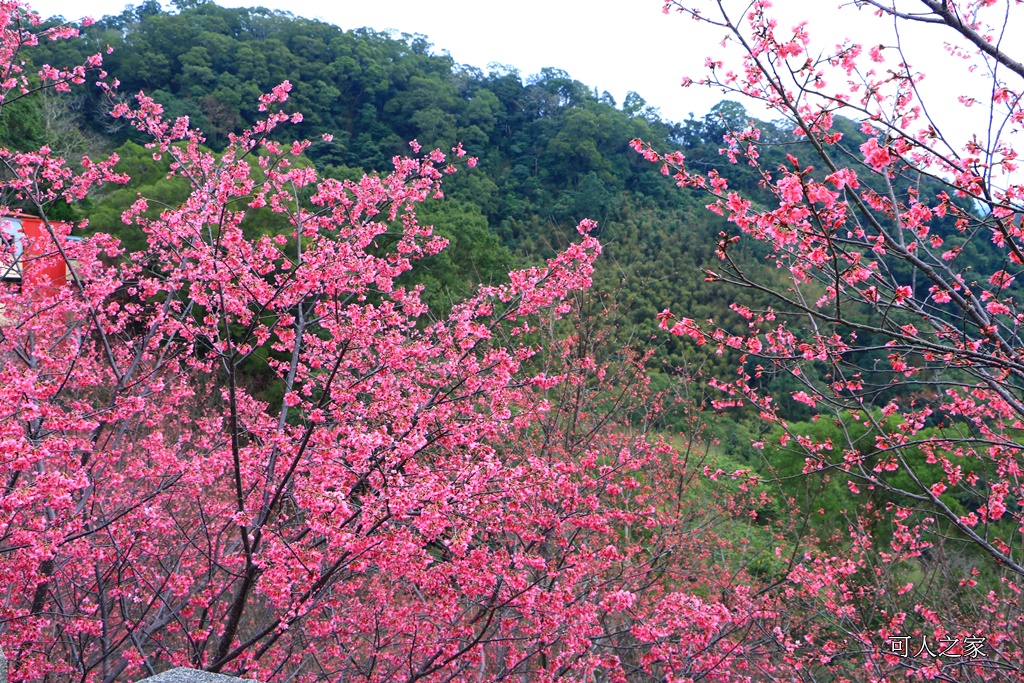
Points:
[(3, 666), (183, 675)]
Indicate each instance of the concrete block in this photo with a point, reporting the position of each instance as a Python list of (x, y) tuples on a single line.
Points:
[(184, 675)]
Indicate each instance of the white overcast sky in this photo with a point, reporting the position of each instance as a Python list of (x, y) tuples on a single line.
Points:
[(613, 45)]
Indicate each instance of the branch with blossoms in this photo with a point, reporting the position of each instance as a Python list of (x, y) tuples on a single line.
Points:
[(19, 30), (37, 178), (896, 311)]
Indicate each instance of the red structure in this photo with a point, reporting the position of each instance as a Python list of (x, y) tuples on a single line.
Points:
[(28, 252)]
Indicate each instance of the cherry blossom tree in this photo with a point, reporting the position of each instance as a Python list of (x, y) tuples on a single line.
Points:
[(435, 495), (896, 311)]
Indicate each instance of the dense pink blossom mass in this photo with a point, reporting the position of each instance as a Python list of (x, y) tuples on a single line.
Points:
[(433, 496), (476, 494)]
